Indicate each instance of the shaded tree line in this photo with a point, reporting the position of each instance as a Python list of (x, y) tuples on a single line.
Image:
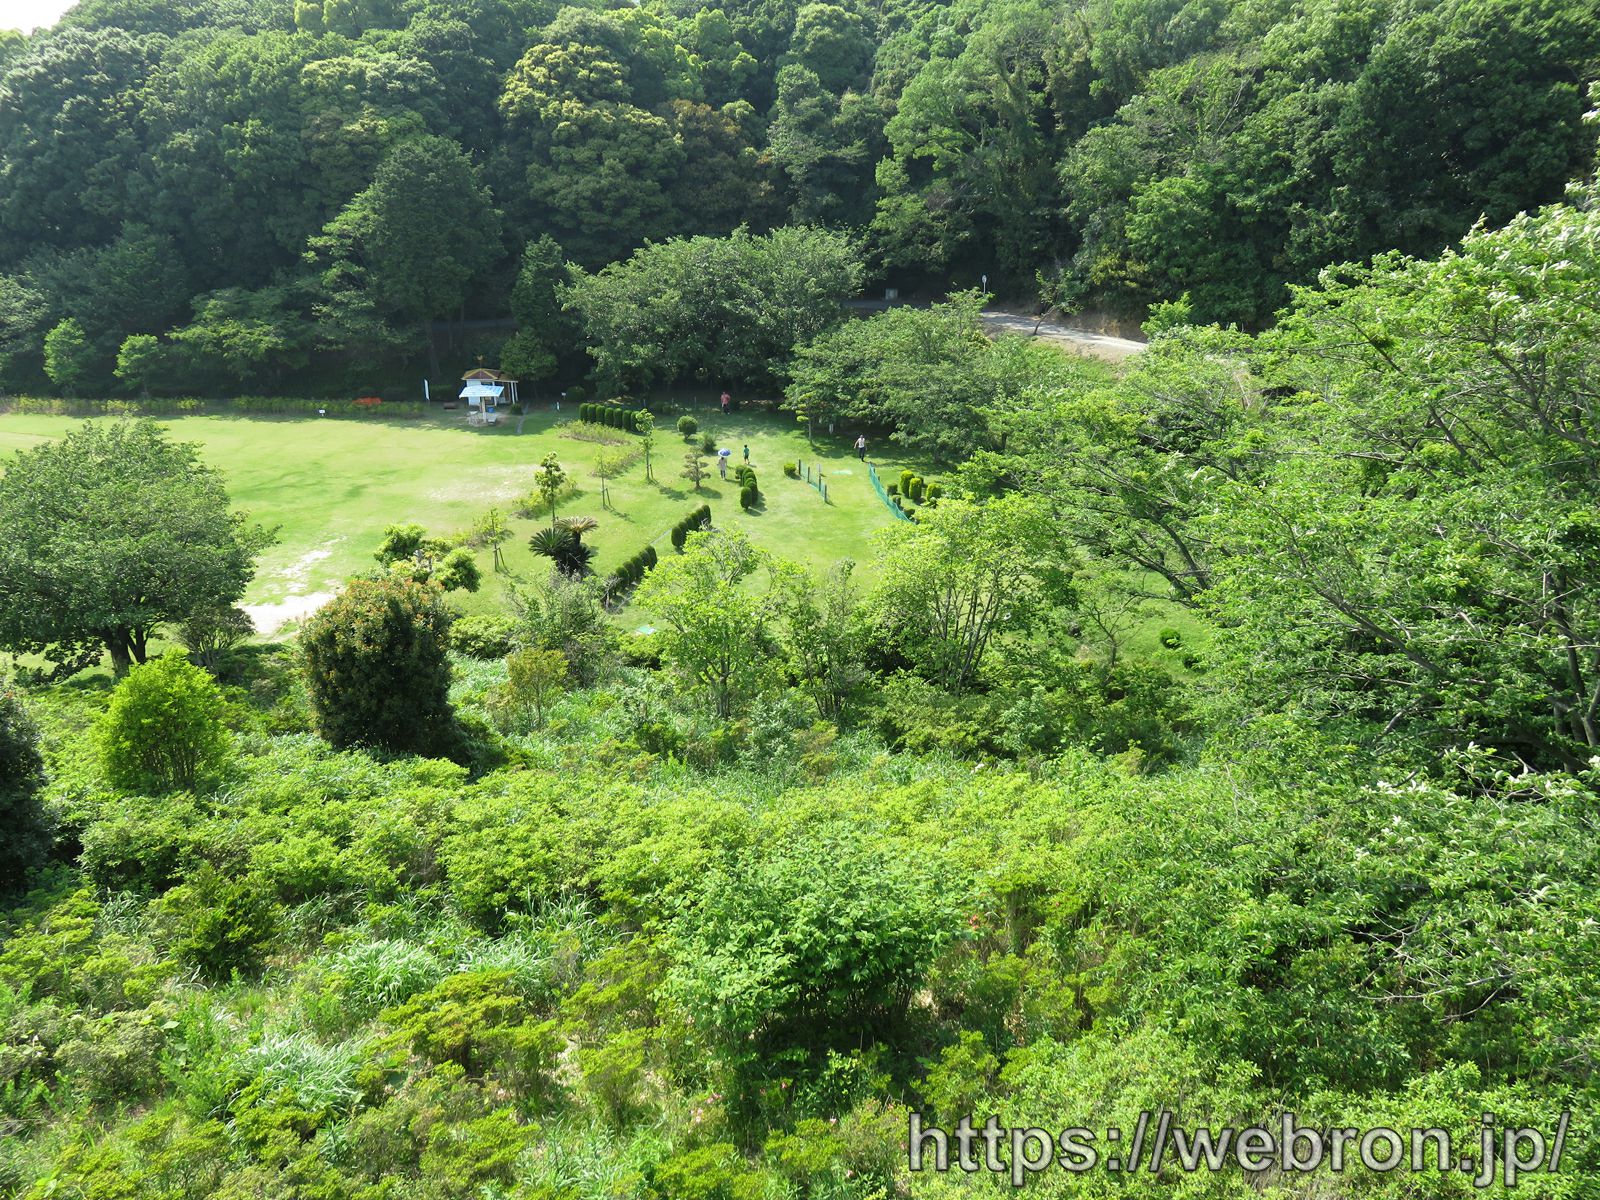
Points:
[(230, 195)]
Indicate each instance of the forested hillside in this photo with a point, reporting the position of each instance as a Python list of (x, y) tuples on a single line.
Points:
[(658, 796), (1219, 738), (218, 196)]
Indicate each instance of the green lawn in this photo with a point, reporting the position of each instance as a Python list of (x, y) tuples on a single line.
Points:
[(332, 485)]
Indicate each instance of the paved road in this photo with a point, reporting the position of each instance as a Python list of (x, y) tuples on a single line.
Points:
[(1080, 341)]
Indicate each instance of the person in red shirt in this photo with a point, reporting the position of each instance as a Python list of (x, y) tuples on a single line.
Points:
[(726, 400)]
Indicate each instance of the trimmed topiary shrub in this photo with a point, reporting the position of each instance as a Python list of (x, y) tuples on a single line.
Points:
[(688, 426), (919, 489), (1170, 638), (376, 664), (905, 481), (748, 497), (708, 443), (792, 470)]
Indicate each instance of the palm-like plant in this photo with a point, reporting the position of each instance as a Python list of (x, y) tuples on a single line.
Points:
[(562, 547), (577, 526)]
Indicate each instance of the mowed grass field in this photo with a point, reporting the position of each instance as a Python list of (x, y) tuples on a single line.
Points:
[(332, 485)]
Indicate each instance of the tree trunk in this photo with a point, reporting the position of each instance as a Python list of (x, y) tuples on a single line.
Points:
[(117, 642), (433, 351)]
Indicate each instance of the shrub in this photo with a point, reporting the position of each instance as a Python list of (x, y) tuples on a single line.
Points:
[(224, 925), (534, 678), (212, 633), (1170, 638), (163, 730), (483, 635), (816, 943), (477, 1020), (708, 443), (934, 492), (376, 665), (145, 845), (919, 489), (792, 470), (27, 837), (748, 497), (893, 489), (688, 426), (905, 481), (115, 1059)]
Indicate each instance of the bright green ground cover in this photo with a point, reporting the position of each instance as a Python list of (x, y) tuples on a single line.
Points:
[(332, 485)]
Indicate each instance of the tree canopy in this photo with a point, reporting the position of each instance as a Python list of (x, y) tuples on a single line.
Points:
[(111, 532), (361, 168)]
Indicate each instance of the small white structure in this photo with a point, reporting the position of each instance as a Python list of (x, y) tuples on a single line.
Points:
[(484, 390)]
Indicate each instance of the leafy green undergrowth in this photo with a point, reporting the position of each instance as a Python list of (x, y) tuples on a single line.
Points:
[(730, 962)]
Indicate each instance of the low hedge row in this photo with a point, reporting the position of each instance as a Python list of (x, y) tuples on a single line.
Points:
[(698, 519), (632, 571), (293, 406), (610, 415)]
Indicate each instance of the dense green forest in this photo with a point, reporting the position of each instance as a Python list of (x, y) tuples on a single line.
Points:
[(216, 196), (529, 905), (1215, 732)]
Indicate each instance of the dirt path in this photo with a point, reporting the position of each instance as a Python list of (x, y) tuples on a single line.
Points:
[(1079, 341)]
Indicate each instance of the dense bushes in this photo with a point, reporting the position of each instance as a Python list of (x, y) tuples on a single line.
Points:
[(26, 840), (808, 945), (483, 635), (688, 426), (163, 730), (700, 518), (376, 662)]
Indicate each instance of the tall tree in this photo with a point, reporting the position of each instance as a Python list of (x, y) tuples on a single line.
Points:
[(87, 559), (422, 232), (963, 574), (717, 629)]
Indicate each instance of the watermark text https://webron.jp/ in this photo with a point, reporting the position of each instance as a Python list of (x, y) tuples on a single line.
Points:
[(1158, 1142)]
